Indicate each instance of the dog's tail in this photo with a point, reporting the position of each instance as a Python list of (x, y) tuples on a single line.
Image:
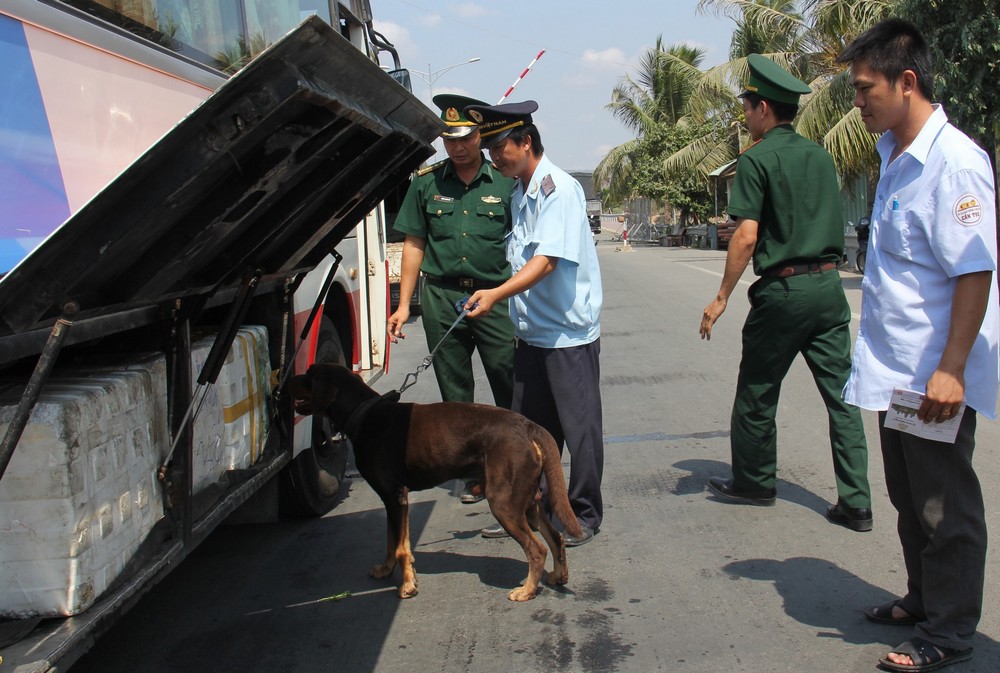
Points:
[(552, 468)]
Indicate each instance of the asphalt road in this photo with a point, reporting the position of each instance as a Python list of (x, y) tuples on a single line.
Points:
[(675, 581)]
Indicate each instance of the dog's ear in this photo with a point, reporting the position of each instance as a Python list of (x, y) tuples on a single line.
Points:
[(323, 387)]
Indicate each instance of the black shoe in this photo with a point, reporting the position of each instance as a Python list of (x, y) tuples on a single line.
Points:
[(855, 518), (588, 535), (724, 488), (494, 531)]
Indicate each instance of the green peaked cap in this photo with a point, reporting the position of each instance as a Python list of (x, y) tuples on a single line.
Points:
[(769, 80), (452, 112)]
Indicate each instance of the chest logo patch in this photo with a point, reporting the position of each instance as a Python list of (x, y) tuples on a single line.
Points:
[(490, 199), (968, 210)]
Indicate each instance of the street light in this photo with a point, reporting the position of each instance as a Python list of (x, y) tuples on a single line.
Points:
[(432, 76)]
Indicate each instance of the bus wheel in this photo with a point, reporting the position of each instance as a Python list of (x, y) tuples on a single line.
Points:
[(311, 483)]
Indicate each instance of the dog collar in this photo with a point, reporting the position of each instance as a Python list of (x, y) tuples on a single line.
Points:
[(357, 417)]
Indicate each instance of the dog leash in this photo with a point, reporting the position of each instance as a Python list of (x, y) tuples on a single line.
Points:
[(411, 378)]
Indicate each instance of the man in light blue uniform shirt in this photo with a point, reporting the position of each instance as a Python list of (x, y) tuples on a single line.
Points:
[(929, 323), (555, 303)]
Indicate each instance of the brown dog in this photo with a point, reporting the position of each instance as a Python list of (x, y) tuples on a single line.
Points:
[(403, 447)]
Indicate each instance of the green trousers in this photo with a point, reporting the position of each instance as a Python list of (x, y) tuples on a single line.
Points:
[(805, 314), (492, 336)]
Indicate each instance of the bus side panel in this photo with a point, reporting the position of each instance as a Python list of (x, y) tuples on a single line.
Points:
[(31, 186), (98, 113), (105, 110)]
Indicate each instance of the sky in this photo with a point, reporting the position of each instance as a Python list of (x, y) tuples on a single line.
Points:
[(589, 46)]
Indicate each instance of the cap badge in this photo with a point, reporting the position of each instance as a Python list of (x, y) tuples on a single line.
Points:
[(451, 114), (476, 117)]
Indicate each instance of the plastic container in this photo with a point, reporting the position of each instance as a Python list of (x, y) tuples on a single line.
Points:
[(80, 493)]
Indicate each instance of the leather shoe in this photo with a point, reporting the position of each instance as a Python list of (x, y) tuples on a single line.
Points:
[(588, 535), (495, 531), (724, 488), (855, 518)]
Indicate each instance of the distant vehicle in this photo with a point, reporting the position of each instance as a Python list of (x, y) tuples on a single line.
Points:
[(594, 215), (863, 230)]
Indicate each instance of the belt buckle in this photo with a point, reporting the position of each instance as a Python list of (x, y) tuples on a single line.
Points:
[(465, 283)]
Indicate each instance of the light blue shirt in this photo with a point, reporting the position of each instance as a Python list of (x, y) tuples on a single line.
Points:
[(550, 218), (933, 220)]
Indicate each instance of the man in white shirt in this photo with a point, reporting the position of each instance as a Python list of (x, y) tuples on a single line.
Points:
[(929, 323)]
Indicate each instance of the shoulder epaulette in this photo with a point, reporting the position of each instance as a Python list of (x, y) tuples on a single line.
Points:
[(433, 167), (750, 145)]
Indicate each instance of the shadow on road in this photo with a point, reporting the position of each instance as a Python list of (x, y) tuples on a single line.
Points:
[(329, 610)]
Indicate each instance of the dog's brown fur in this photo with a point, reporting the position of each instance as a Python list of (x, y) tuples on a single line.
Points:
[(402, 447)]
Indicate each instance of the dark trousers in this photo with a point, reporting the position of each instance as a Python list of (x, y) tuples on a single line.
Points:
[(805, 314), (492, 335), (559, 388), (942, 527)]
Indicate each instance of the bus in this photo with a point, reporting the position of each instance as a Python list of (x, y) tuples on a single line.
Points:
[(192, 190)]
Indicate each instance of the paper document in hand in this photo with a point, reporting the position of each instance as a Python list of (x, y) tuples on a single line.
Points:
[(902, 416)]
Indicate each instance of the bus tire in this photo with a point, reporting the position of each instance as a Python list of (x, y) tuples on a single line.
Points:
[(311, 483)]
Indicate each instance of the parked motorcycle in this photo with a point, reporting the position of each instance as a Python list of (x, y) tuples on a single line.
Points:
[(863, 230)]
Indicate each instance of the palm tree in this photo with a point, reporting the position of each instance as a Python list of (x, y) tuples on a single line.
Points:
[(656, 97), (805, 44)]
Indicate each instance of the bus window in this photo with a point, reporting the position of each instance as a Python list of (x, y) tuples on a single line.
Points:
[(223, 34)]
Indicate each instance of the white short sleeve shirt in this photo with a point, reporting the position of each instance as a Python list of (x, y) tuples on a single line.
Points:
[(550, 218), (933, 220)]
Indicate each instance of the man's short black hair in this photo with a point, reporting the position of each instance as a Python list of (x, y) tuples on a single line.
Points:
[(530, 131), (890, 47), (783, 112)]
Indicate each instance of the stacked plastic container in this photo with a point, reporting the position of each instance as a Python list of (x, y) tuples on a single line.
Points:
[(232, 422), (80, 493)]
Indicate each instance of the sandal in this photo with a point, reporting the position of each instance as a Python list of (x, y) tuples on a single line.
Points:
[(925, 655), (882, 614)]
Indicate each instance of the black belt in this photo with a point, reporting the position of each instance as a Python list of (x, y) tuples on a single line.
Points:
[(464, 283), (799, 269)]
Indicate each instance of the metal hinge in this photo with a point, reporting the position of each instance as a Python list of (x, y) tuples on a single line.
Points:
[(371, 267)]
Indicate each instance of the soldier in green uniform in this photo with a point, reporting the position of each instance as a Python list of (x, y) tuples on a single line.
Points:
[(456, 216), (786, 202)]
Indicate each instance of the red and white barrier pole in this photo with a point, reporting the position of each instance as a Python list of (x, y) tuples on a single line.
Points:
[(517, 81)]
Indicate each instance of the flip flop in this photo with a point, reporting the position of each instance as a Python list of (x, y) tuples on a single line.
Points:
[(882, 614), (925, 655)]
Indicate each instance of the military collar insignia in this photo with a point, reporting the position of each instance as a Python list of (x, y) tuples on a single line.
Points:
[(491, 199), (548, 185)]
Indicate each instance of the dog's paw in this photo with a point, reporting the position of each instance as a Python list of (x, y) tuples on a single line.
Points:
[(553, 578), (522, 594), (408, 590), (382, 570)]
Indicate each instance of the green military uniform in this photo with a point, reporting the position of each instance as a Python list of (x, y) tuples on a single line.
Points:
[(465, 229), (788, 184)]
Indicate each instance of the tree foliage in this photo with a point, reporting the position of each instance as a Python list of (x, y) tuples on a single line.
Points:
[(653, 103), (964, 39)]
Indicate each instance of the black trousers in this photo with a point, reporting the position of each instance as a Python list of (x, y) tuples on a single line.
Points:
[(559, 388), (942, 527)]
